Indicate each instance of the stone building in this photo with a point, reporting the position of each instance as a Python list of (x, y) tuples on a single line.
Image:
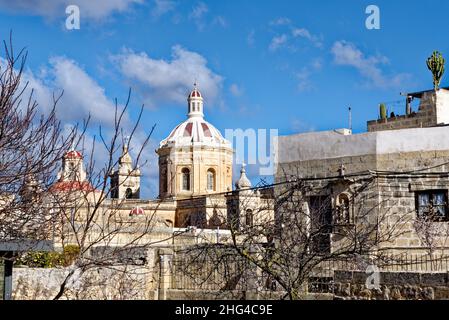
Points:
[(125, 181), (194, 159), (406, 158)]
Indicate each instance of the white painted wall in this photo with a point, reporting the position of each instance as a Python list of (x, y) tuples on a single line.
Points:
[(330, 144), (442, 106)]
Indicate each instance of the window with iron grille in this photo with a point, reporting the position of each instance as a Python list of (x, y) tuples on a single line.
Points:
[(432, 204)]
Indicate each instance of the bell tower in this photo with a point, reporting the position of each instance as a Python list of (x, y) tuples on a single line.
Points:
[(125, 181), (72, 167)]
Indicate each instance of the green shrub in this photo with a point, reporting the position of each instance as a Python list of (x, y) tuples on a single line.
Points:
[(70, 253), (41, 259), (50, 259), (383, 111)]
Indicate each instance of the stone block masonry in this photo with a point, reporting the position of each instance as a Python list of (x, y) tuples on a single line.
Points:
[(350, 285)]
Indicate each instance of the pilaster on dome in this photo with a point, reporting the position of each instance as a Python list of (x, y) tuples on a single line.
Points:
[(195, 102)]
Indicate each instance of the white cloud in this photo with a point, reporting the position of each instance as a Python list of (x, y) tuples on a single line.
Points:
[(96, 10), (277, 42), (199, 10), (304, 33), (317, 64), (162, 7), (236, 91), (347, 54), (197, 15), (221, 21), (290, 33), (251, 38), (304, 75), (82, 95), (160, 80), (304, 83), (300, 126), (282, 21)]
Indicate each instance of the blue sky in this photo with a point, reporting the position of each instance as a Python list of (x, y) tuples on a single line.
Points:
[(290, 65)]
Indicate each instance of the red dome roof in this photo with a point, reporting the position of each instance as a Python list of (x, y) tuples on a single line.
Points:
[(73, 154), (66, 186), (137, 212), (195, 94), (194, 129)]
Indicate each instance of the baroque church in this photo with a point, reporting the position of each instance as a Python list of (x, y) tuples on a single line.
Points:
[(195, 177)]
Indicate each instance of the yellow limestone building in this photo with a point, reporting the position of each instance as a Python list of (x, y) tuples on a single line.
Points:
[(195, 168), (194, 159)]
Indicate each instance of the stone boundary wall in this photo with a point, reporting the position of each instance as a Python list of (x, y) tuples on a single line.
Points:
[(117, 283), (351, 285), (415, 120)]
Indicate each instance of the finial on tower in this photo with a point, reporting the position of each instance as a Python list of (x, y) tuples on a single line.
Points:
[(126, 140), (243, 182)]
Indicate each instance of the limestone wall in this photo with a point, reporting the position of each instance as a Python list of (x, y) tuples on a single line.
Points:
[(433, 110), (413, 160), (351, 285), (99, 283)]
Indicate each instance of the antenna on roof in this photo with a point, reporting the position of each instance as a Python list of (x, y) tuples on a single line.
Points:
[(350, 118)]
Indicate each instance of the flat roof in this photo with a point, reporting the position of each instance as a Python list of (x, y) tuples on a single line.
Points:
[(420, 93)]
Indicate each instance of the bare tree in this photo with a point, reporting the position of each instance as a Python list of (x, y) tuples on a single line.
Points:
[(104, 229), (75, 211), (307, 237), (31, 148)]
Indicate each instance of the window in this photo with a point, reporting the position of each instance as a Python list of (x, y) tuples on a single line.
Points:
[(433, 204), (163, 179), (211, 180), (321, 223), (185, 173), (72, 171), (128, 193), (249, 218), (342, 213)]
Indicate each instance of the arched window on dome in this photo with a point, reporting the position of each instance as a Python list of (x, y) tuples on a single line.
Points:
[(211, 180), (185, 173)]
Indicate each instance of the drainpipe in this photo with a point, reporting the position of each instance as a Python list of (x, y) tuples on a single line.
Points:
[(7, 284)]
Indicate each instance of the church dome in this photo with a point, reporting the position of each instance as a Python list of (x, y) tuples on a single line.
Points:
[(195, 130), (195, 93)]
